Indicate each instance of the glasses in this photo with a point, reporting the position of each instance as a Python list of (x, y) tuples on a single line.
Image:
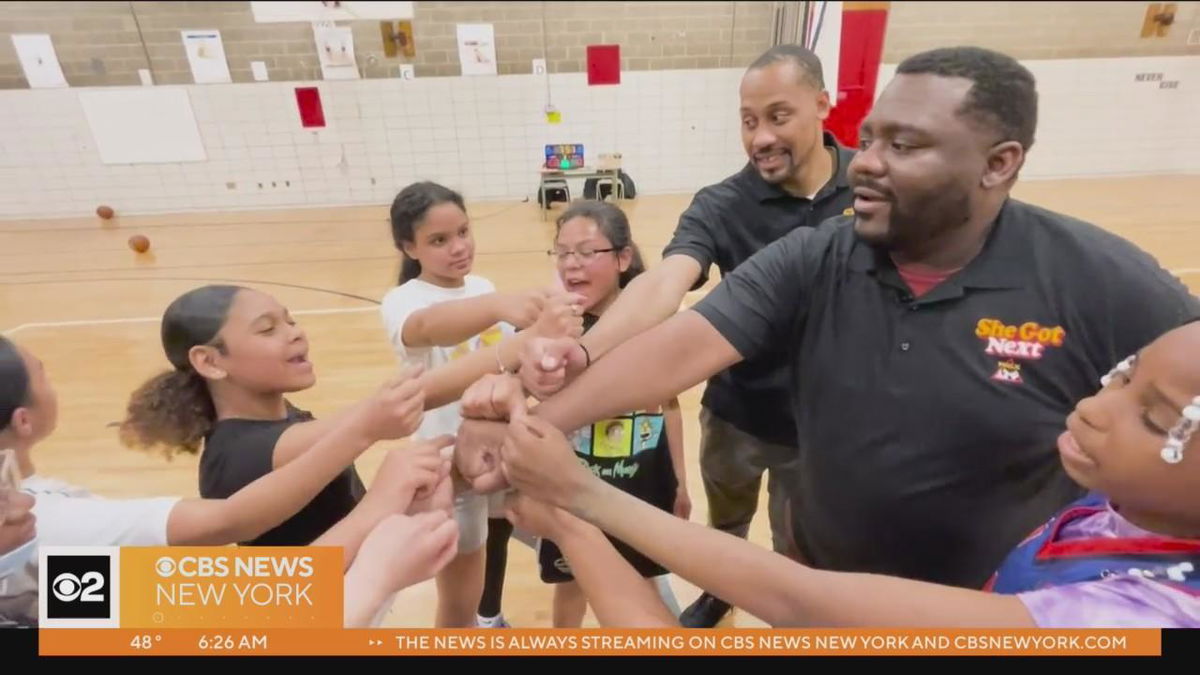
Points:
[(583, 256)]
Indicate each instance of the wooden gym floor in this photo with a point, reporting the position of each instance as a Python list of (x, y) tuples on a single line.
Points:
[(73, 293)]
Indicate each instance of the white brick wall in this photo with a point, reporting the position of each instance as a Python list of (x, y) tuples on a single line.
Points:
[(1095, 119), (678, 131)]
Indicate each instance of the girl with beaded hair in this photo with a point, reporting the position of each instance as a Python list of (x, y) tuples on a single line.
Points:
[(1126, 555)]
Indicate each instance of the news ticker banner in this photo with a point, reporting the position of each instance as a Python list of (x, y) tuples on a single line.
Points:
[(287, 601), (595, 642)]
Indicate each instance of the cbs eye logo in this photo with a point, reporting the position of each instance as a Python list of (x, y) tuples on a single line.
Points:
[(165, 567), (80, 587), (68, 587)]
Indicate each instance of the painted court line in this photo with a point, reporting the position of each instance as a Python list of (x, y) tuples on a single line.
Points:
[(155, 319)]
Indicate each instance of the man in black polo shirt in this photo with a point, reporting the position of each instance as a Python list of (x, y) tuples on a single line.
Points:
[(796, 177), (936, 340)]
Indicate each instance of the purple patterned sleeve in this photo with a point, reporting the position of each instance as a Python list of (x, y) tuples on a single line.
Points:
[(1123, 602)]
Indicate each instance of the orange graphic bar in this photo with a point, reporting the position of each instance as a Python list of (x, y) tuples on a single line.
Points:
[(220, 588), (597, 642)]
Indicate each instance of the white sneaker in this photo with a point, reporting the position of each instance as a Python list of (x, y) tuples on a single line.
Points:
[(493, 622)]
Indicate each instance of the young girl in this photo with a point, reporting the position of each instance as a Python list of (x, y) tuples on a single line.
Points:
[(67, 515), (413, 479), (448, 320), (18, 556), (1125, 556), (236, 352), (641, 452)]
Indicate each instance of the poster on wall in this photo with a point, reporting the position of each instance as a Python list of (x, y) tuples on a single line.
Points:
[(335, 48), (280, 12), (206, 56), (39, 61), (477, 48)]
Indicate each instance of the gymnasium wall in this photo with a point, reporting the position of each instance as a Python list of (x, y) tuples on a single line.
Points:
[(677, 131), (1096, 118), (1038, 30), (1111, 102), (673, 117), (101, 43)]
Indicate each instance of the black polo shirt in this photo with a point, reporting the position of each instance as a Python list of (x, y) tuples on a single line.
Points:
[(727, 223), (927, 427)]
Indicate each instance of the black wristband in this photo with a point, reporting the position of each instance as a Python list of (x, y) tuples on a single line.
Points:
[(586, 353)]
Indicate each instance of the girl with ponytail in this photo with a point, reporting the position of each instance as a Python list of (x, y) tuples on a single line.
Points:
[(68, 515)]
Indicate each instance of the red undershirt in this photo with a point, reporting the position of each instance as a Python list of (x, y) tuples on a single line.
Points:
[(921, 279)]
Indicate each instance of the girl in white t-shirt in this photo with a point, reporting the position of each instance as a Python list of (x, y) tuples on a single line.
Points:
[(441, 314)]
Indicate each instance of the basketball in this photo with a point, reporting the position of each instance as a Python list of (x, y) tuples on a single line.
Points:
[(104, 212), (139, 243)]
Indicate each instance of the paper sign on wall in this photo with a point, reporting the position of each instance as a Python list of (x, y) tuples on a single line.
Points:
[(477, 48), (206, 56), (335, 48), (39, 61)]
